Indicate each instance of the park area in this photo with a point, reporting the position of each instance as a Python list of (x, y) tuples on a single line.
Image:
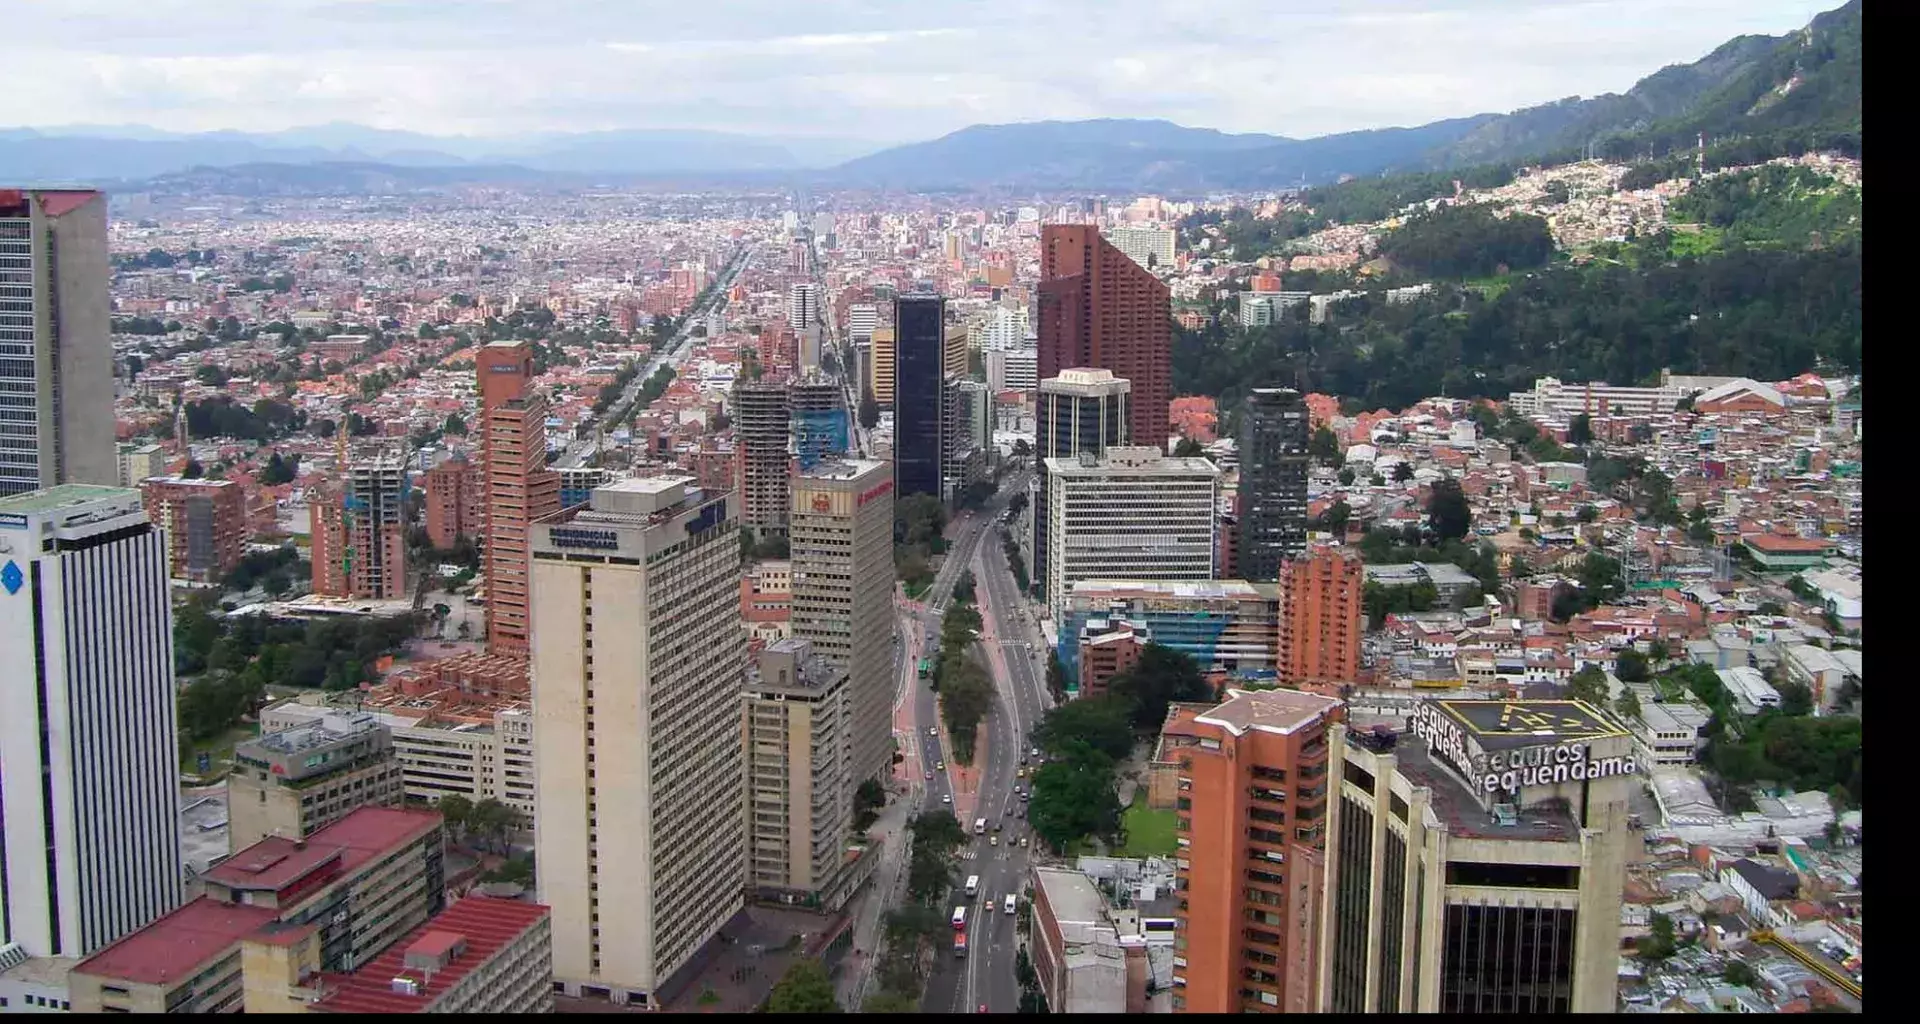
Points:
[(1149, 833)]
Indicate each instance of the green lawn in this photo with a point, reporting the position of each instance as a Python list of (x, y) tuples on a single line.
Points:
[(220, 748), (1149, 832)]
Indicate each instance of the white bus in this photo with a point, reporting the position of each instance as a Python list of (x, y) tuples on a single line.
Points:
[(959, 918), (979, 826), (973, 885)]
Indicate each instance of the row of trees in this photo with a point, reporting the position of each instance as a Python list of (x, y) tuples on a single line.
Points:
[(488, 821), (918, 927), (919, 533), (964, 685), (330, 654)]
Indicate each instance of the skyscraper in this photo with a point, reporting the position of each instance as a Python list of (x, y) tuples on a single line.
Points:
[(800, 786), (919, 394), (637, 673), (1253, 790), (205, 522), (1321, 624), (880, 367), (519, 487), (1274, 431), (1131, 514), (803, 306), (1098, 308), (842, 591), (56, 352), (89, 797), (762, 422), (1474, 863), (1080, 410), (359, 529)]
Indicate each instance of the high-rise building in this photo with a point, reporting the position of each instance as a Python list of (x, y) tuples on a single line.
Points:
[(803, 306), (880, 367), (1098, 308), (1223, 625), (762, 426), (1475, 863), (965, 433), (1080, 410), (56, 384), (577, 483), (1132, 514), (519, 487), (820, 425), (451, 501), (1002, 328), (205, 522), (140, 461), (798, 735), (1013, 369), (1152, 248), (294, 782), (1274, 431), (1253, 790), (953, 353), (89, 797), (360, 531), (640, 848), (1321, 619), (841, 591), (919, 395), (862, 318)]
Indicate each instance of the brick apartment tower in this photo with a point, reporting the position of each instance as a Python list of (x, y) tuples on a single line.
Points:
[(1251, 803), (205, 523), (519, 486), (452, 501), (1320, 620), (1098, 308)]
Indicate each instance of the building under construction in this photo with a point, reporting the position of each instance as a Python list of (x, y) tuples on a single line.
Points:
[(360, 529), (819, 420), (761, 413)]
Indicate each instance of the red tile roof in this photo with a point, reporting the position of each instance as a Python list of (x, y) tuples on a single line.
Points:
[(275, 862), (174, 947), (487, 925)]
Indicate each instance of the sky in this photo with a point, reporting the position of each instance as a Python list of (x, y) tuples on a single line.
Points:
[(893, 71)]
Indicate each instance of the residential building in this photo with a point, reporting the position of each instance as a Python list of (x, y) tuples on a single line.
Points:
[(1131, 514), (1668, 734), (1152, 248), (766, 600), (920, 396), (1551, 399), (797, 732), (205, 522), (803, 305), (140, 461), (360, 530), (480, 955), (1078, 410), (59, 398), (577, 483), (1475, 864), (880, 367), (1081, 960), (1252, 795), (1107, 648), (452, 501), (1272, 523), (1262, 309), (965, 431), (762, 425), (352, 888), (1322, 620), (841, 592), (294, 782), (520, 489), (1098, 308), (1001, 329), (647, 825), (1223, 625), (444, 745), (862, 318), (1013, 369), (89, 829)]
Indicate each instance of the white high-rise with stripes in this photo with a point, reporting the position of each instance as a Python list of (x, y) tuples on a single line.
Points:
[(89, 771)]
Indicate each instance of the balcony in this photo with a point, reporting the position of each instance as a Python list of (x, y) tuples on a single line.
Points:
[(1267, 794)]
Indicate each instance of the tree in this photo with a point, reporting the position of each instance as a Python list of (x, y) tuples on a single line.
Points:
[(1324, 448), (1073, 796), (456, 809), (1104, 723), (805, 988), (1660, 944), (1795, 697), (1402, 472), (1590, 685), (1021, 449), (1631, 666), (1627, 705), (1739, 972), (869, 410), (1346, 477), (1448, 511), (194, 470), (278, 470), (1188, 448), (1586, 513), (456, 425), (1580, 429), (963, 587), (1161, 676)]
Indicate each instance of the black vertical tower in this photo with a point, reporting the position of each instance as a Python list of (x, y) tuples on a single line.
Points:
[(1274, 431), (919, 343)]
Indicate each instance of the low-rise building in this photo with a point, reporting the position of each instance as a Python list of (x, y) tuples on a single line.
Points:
[(294, 782), (1083, 962), (1669, 734), (481, 955)]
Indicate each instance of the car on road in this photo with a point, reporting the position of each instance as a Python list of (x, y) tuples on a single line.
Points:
[(993, 840), (1023, 842), (934, 731), (946, 798), (929, 775), (939, 766), (1035, 752)]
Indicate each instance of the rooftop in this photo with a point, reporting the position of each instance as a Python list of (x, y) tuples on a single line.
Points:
[(1237, 590), (174, 947), (1460, 810), (483, 925), (62, 496), (1504, 724), (1071, 895), (274, 862), (328, 729), (1274, 711)]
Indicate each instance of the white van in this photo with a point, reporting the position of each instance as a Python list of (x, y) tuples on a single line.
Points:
[(979, 826), (1008, 903), (973, 885)]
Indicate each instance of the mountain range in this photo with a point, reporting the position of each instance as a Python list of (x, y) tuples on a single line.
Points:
[(1805, 85)]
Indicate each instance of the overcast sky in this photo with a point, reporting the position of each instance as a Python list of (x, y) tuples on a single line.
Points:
[(885, 71)]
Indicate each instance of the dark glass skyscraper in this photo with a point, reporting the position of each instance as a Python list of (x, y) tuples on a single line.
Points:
[(919, 339), (1274, 431)]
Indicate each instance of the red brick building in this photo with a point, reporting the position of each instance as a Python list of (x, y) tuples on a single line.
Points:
[(1100, 309), (1322, 620), (453, 501), (519, 487), (205, 522)]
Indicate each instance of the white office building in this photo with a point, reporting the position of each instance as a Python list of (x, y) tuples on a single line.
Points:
[(1152, 248), (1013, 369), (89, 757), (1551, 399), (1001, 329), (640, 847), (803, 305), (1133, 514), (862, 318)]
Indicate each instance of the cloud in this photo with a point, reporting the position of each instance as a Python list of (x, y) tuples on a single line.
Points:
[(862, 68)]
